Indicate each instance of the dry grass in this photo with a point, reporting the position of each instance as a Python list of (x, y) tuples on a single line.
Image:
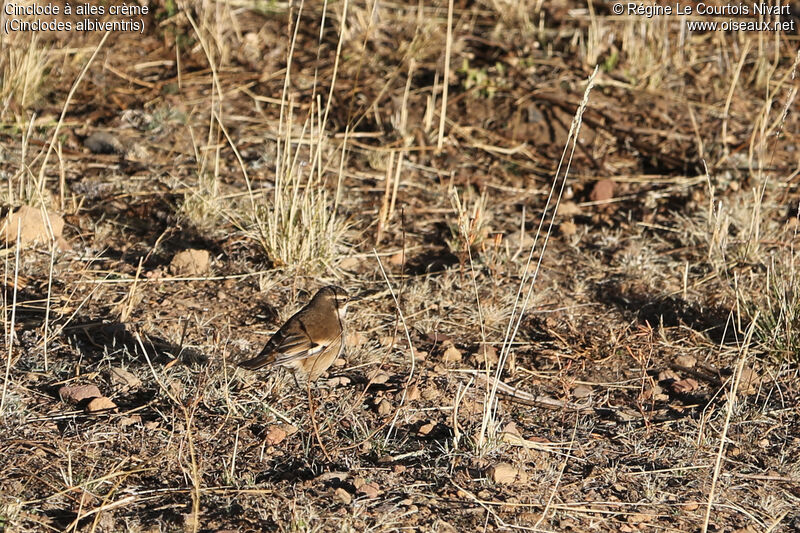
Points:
[(639, 372), (24, 64), (297, 223)]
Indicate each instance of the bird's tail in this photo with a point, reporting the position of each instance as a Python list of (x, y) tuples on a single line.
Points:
[(263, 359)]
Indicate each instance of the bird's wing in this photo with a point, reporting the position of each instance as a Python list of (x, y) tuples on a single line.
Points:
[(280, 347), (296, 346), (288, 345)]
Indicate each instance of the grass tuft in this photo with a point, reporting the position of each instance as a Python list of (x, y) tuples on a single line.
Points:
[(24, 64), (777, 314), (297, 225)]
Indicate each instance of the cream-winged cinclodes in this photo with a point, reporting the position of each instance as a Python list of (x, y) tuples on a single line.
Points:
[(310, 341)]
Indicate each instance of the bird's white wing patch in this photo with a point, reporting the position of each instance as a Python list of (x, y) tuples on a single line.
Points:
[(296, 353), (316, 349)]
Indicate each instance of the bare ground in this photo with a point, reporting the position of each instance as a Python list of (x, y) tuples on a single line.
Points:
[(653, 379)]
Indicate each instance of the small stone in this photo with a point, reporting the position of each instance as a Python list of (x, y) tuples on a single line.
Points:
[(656, 392), (437, 337), (568, 228), (568, 209), (511, 435), (582, 391), (155, 274), (425, 429), (190, 263), (398, 258), (603, 191), (339, 381), (378, 377), (516, 237), (355, 339), (126, 421), (385, 407), (413, 393), (370, 490), (349, 263), (100, 404), (101, 142), (275, 435), (431, 393), (33, 224), (506, 473), (487, 354), (125, 378), (667, 375), (451, 353), (512, 429), (639, 518), (687, 361), (78, 393), (343, 496), (332, 476), (684, 386)]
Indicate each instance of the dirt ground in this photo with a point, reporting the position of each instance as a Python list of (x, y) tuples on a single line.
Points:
[(578, 308)]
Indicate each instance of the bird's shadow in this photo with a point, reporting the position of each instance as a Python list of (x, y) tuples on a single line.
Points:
[(670, 311), (95, 336)]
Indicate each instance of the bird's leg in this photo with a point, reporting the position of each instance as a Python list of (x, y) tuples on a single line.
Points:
[(314, 421)]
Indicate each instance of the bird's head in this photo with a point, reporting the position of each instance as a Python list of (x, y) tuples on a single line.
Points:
[(335, 296)]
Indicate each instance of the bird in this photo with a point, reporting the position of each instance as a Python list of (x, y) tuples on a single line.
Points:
[(311, 340)]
